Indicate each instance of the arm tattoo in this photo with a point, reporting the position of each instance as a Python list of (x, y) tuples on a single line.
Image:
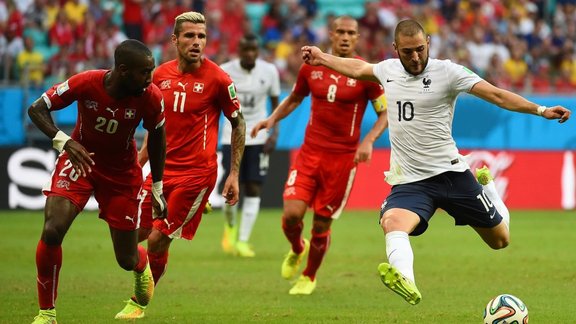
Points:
[(237, 140)]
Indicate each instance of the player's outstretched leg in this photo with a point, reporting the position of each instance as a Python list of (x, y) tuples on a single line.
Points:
[(45, 316), (483, 175), (304, 286), (485, 178), (292, 261), (399, 284)]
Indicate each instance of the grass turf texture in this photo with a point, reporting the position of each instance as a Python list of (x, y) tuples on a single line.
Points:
[(455, 271)]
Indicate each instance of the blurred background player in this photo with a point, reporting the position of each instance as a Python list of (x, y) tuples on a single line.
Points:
[(426, 170), (255, 81), (196, 91), (323, 173), (100, 158)]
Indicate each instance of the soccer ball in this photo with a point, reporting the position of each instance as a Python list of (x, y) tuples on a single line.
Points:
[(505, 309)]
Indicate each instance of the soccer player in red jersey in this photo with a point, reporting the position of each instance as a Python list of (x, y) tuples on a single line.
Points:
[(100, 158), (196, 91), (323, 173)]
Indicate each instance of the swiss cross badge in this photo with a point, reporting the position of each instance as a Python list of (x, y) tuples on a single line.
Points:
[(198, 87), (129, 113)]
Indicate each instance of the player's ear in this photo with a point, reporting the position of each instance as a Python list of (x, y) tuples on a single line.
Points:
[(122, 68)]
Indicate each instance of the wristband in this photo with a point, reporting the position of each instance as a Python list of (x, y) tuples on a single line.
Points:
[(157, 188), (157, 194), (60, 140), (540, 110)]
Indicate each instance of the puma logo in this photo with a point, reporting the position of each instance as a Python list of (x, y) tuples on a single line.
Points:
[(112, 111), (168, 224), (129, 218), (183, 85), (41, 283), (335, 78)]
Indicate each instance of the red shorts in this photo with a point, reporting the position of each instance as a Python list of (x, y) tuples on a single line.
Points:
[(117, 194), (322, 180), (186, 197)]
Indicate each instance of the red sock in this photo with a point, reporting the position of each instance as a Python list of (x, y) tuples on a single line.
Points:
[(318, 247), (294, 235), (142, 259), (48, 264), (158, 262)]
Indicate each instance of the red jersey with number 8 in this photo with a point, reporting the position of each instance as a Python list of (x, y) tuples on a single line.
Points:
[(338, 103)]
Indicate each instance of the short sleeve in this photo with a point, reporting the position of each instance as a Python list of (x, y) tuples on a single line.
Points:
[(275, 87), (63, 94), (301, 86), (154, 116), (227, 97), (462, 78)]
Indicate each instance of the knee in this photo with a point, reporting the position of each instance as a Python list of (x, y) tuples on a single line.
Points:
[(52, 234), (127, 262), (390, 222), (292, 216)]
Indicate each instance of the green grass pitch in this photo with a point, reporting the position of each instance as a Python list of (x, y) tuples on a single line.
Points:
[(455, 271)]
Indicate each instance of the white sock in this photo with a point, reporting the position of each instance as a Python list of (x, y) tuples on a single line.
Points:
[(492, 193), (230, 213), (400, 254), (250, 209)]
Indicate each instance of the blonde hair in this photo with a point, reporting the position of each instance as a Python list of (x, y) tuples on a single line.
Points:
[(190, 16)]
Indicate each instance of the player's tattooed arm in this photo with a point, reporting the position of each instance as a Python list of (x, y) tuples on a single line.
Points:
[(231, 188)]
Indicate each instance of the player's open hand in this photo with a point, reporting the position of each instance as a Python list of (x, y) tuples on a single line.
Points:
[(80, 158), (557, 112), (311, 55), (267, 124)]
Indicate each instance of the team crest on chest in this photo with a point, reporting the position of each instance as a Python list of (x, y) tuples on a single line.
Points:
[(351, 82), (129, 113), (426, 81), (198, 87)]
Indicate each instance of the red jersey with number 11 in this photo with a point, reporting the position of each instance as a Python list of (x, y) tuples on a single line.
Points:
[(338, 105), (193, 102)]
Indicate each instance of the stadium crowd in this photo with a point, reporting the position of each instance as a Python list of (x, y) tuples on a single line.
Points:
[(523, 45)]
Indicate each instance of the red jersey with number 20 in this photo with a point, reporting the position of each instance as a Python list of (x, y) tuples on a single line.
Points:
[(338, 105), (194, 101), (105, 125)]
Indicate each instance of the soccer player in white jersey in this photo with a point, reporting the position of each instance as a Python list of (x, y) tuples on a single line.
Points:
[(256, 80), (426, 170)]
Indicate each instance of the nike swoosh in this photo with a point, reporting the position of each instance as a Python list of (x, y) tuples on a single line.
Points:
[(388, 80), (494, 213)]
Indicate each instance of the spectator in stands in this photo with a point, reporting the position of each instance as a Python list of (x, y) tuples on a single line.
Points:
[(132, 19), (516, 67), (62, 32), (75, 11), (30, 65)]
